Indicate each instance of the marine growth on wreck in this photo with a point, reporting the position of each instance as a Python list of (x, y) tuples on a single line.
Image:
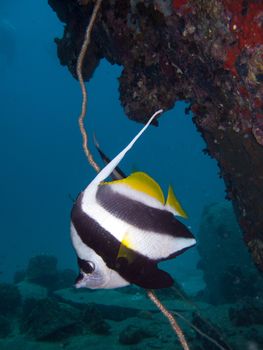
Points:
[(208, 54)]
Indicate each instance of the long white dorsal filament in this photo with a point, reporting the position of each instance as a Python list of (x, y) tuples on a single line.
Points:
[(107, 170)]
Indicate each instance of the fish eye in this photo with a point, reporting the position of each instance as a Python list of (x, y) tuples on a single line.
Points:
[(86, 266)]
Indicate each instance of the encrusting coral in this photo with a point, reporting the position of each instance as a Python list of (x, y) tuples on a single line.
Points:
[(208, 53)]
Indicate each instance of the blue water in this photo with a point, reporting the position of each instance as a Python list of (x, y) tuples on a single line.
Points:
[(43, 168), (42, 162)]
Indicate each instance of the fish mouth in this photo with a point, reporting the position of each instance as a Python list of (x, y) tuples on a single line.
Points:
[(79, 280), (83, 280), (89, 280)]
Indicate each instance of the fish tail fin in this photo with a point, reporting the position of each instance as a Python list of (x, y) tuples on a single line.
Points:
[(107, 170)]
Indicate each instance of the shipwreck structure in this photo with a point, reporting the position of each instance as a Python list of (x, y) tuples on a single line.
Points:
[(208, 53)]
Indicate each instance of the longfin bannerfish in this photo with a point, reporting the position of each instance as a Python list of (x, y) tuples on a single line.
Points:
[(122, 229)]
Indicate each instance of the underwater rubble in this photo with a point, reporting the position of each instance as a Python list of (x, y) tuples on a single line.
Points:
[(208, 54), (233, 275), (78, 319), (42, 271)]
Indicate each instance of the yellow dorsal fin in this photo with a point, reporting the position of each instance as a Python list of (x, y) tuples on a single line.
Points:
[(142, 182), (172, 204)]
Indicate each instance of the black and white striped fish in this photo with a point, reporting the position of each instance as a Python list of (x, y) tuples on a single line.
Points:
[(122, 229)]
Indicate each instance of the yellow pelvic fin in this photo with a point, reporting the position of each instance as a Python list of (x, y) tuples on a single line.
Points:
[(123, 251), (142, 182), (126, 241), (173, 204)]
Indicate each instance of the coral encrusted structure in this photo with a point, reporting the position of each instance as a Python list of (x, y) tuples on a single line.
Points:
[(207, 53)]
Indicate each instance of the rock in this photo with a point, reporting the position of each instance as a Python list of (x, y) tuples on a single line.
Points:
[(117, 306), (5, 327), (246, 313), (20, 342), (48, 319), (32, 291), (93, 318), (10, 298), (19, 276), (113, 305), (100, 327), (65, 279), (42, 270), (131, 335), (227, 268), (210, 330), (131, 304)]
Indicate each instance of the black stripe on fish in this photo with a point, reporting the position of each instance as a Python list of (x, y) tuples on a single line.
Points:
[(139, 214), (93, 235), (132, 266)]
